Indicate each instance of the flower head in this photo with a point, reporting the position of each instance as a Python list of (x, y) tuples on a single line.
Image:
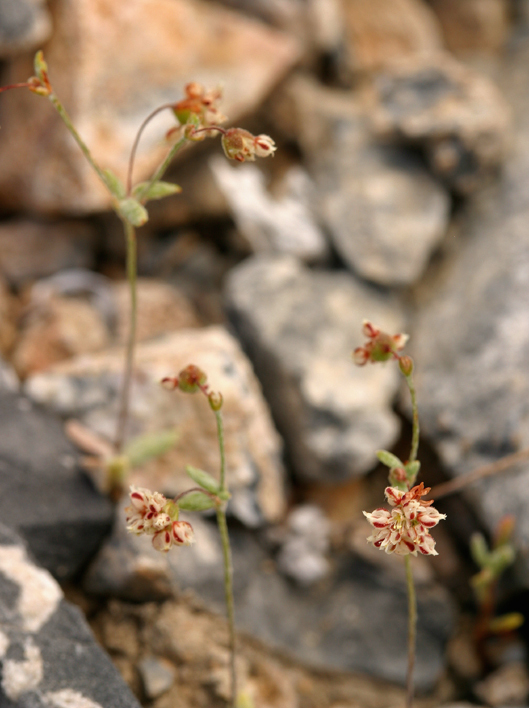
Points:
[(406, 528), (202, 104), (380, 346), (240, 145), (151, 513)]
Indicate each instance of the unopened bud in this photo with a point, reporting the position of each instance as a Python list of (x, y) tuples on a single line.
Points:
[(215, 400), (170, 383), (406, 365)]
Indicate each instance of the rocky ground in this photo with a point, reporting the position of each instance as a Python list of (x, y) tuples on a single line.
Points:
[(398, 194)]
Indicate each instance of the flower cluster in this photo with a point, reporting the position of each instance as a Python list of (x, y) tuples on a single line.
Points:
[(151, 513), (380, 346), (201, 103), (406, 528), (240, 145)]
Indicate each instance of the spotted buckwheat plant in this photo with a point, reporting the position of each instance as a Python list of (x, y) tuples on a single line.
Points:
[(404, 529), (198, 116)]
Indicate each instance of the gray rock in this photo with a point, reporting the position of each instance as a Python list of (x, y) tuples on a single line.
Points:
[(281, 224), (384, 211), (471, 341), (332, 415), (24, 25), (43, 494), (455, 114), (48, 655), (302, 556), (157, 676)]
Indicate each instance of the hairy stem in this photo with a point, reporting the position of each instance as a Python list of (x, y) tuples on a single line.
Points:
[(129, 355), (226, 552), (412, 631), (84, 148), (415, 419)]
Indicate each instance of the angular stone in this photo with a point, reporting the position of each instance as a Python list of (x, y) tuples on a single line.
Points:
[(280, 224), (457, 116), (380, 32), (49, 656), (24, 25), (87, 388), (30, 250), (471, 339), (383, 210), (108, 96), (332, 415), (473, 27), (8, 320), (44, 496)]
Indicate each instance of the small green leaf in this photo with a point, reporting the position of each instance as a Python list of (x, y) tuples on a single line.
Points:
[(412, 470), (479, 550), (203, 479), (157, 190), (388, 459), (115, 185), (506, 623), (132, 211), (501, 558), (196, 501), (146, 447), (41, 68)]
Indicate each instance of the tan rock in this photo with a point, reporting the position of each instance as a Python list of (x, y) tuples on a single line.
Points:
[(58, 330), (8, 307), (161, 309), (30, 249), (382, 31), (473, 26), (163, 44), (88, 388)]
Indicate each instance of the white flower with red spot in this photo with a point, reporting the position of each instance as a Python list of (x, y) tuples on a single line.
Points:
[(406, 528), (150, 513), (240, 145), (380, 346)]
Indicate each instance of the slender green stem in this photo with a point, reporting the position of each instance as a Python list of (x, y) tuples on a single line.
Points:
[(84, 148), (129, 356), (412, 631), (220, 436), (415, 419), (162, 168), (228, 592), (228, 567)]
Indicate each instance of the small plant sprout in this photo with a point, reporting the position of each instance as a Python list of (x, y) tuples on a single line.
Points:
[(405, 528), (492, 563), (211, 493), (198, 117)]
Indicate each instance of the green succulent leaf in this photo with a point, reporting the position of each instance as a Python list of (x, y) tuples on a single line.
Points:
[(115, 185), (389, 459), (149, 446), (41, 67), (157, 190), (412, 470), (479, 550), (132, 211), (196, 501), (506, 623), (203, 479)]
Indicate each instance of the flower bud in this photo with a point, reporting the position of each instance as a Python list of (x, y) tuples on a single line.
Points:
[(162, 541), (406, 365), (238, 144), (182, 533), (191, 379), (215, 400), (170, 382)]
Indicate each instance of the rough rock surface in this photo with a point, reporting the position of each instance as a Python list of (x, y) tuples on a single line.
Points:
[(384, 211), (30, 250), (341, 622), (43, 494), (455, 114), (382, 31), (180, 41), (24, 25), (472, 336), (332, 415), (48, 655), (281, 223), (87, 388)]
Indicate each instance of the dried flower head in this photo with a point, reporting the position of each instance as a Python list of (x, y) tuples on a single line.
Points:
[(380, 346), (240, 145), (152, 514), (406, 528)]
